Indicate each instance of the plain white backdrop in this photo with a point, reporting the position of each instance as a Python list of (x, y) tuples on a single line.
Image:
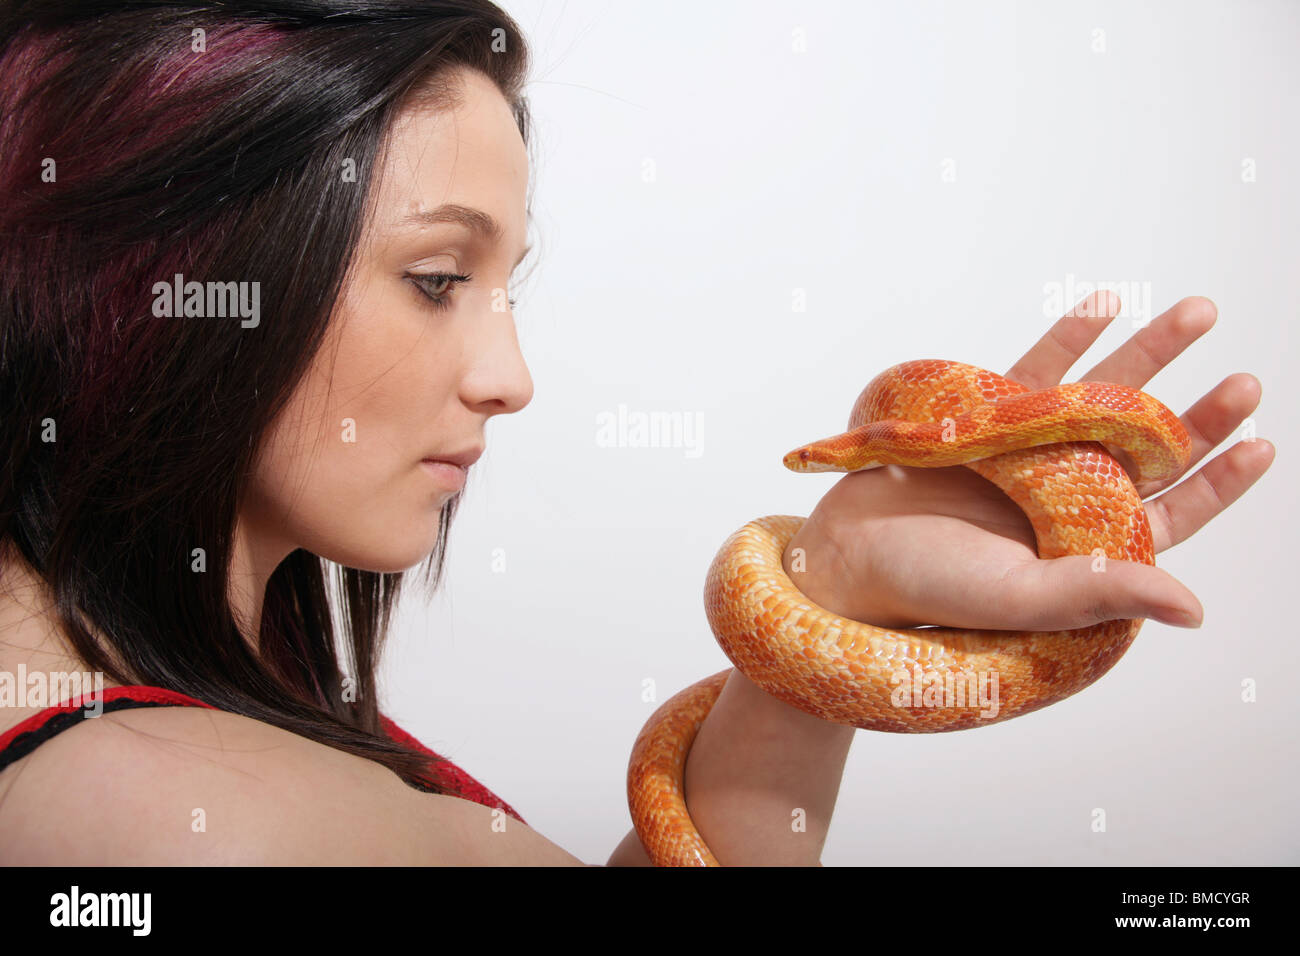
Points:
[(744, 212)]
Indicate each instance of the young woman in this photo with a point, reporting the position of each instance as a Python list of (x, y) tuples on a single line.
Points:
[(254, 261)]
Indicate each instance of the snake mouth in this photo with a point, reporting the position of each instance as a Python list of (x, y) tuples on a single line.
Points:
[(805, 460)]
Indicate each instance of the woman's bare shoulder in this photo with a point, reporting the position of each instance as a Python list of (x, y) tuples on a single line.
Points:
[(183, 785)]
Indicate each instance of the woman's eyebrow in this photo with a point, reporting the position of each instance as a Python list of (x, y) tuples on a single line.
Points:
[(476, 220)]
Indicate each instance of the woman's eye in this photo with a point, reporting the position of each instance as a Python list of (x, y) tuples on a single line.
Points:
[(436, 286)]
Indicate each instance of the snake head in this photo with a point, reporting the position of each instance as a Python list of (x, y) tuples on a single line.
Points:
[(854, 450), (815, 457)]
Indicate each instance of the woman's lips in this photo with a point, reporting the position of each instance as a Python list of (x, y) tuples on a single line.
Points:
[(449, 474)]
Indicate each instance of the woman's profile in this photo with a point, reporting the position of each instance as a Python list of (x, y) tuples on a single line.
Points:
[(199, 472), (256, 264)]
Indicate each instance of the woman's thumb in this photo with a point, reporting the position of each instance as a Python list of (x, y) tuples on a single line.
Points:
[(1078, 590)]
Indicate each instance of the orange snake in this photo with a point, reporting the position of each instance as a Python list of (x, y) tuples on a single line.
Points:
[(1042, 448)]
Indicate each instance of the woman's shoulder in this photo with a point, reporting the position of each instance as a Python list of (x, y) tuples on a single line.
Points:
[(171, 785), (190, 785)]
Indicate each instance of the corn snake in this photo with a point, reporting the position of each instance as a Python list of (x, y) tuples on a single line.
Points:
[(1043, 449)]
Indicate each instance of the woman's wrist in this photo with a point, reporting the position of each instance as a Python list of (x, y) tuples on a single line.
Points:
[(816, 566), (808, 560), (768, 717), (814, 561)]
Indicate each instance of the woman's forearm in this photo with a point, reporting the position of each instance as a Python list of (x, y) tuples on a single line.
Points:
[(762, 778), (761, 781)]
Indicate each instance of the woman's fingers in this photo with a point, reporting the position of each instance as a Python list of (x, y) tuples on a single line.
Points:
[(1077, 591), (1052, 356), (1182, 511), (1157, 344), (1136, 362), (1212, 420)]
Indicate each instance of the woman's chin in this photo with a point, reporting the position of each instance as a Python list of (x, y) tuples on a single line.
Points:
[(395, 563), (393, 557)]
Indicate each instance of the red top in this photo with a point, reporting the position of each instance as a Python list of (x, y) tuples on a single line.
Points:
[(22, 739)]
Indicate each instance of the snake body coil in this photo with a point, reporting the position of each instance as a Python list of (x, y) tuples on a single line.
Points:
[(1042, 449)]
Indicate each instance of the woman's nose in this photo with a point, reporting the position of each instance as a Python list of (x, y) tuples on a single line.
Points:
[(497, 381)]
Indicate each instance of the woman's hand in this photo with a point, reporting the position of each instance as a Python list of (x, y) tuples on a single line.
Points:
[(899, 547)]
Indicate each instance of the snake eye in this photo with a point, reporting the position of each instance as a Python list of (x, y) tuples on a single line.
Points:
[(803, 454)]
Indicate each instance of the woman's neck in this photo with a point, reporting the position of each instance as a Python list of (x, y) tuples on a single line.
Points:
[(31, 634)]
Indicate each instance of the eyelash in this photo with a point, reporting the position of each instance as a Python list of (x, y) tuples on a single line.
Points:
[(442, 299)]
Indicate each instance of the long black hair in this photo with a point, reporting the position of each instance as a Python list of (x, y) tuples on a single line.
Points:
[(142, 139)]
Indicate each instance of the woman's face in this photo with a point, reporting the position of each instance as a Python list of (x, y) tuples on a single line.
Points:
[(403, 379)]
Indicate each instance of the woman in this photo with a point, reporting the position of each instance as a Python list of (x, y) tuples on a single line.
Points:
[(255, 318)]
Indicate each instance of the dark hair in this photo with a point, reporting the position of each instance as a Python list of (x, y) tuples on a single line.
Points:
[(127, 155)]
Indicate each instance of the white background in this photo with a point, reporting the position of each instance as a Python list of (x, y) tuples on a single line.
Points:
[(823, 170)]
